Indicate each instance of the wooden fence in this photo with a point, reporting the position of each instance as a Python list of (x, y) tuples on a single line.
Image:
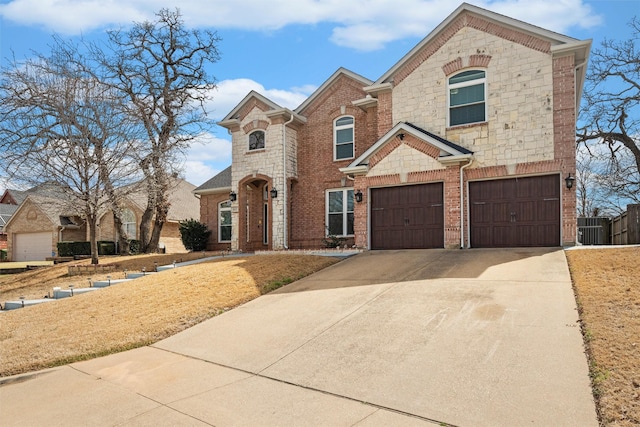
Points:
[(625, 228)]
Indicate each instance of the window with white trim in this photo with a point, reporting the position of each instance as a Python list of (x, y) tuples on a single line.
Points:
[(224, 221), (467, 97), (343, 138), (128, 219), (340, 212), (256, 140)]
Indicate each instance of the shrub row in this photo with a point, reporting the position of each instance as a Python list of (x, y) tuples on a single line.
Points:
[(84, 248)]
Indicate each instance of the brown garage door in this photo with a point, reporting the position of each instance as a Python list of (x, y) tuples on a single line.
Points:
[(515, 212), (407, 217)]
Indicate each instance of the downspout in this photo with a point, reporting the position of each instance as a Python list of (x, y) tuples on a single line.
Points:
[(462, 210), (62, 228), (285, 184)]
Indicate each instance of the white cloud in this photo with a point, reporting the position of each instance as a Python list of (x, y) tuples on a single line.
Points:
[(75, 17), (230, 92), (365, 25), (207, 156)]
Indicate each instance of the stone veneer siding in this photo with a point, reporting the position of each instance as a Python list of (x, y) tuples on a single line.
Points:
[(519, 98), (266, 162)]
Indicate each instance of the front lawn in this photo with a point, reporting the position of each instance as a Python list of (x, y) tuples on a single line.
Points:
[(131, 314), (607, 287)]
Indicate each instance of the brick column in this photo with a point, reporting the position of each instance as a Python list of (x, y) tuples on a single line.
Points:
[(564, 134)]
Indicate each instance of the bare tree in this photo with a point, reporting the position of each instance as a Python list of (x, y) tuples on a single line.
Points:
[(611, 112), (596, 190), (160, 67), (59, 124)]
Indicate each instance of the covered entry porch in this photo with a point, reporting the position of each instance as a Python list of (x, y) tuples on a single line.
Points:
[(255, 224)]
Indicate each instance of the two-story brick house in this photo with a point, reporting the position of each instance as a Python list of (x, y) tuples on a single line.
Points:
[(467, 141)]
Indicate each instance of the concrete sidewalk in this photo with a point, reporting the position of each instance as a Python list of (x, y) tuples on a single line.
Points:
[(468, 338)]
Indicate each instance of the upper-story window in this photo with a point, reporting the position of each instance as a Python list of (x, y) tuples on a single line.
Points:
[(467, 98), (343, 138), (256, 140)]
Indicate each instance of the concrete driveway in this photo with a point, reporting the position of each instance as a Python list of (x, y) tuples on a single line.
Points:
[(466, 338)]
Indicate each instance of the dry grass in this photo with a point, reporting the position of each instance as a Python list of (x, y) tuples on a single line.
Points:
[(607, 287), (135, 313), (37, 283)]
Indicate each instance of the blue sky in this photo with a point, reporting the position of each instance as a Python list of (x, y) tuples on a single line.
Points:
[(285, 49)]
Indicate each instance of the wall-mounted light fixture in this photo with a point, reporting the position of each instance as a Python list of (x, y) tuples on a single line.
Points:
[(233, 196), (400, 136), (274, 193), (569, 181), (358, 196)]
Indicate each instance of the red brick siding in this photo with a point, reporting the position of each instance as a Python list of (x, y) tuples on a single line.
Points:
[(317, 171), (385, 113), (452, 66), (209, 216), (419, 145), (479, 60), (251, 193), (564, 127), (256, 124)]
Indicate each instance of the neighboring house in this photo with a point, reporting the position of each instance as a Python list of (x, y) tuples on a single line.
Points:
[(41, 221), (6, 211), (9, 202), (465, 142)]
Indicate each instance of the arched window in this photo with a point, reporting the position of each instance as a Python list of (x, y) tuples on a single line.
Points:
[(256, 140), (224, 221), (343, 138), (467, 97), (129, 223)]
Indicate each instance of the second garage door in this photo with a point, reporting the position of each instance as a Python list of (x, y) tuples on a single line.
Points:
[(407, 217), (515, 212)]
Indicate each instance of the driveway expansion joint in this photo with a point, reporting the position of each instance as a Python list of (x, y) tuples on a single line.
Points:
[(325, 392)]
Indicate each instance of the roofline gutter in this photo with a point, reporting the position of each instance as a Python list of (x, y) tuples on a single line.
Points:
[(212, 191)]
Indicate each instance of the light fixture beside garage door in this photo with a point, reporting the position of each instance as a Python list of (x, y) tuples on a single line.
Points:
[(569, 181)]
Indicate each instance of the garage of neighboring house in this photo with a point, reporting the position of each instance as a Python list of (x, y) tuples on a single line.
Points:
[(31, 246), (515, 212), (407, 217)]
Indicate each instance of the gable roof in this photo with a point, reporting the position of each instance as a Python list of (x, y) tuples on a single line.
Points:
[(183, 204), (12, 197), (335, 76), (218, 184), (449, 151), (53, 208), (560, 44), (233, 115), (233, 118)]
